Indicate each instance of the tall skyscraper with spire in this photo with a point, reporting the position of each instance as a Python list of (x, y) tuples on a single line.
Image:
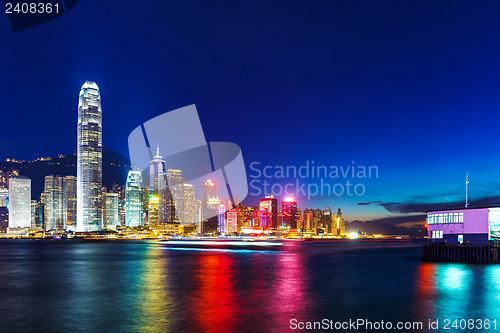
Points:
[(160, 200), (89, 159)]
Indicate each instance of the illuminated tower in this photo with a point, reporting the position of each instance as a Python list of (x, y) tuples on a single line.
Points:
[(222, 218), (340, 223), (188, 204), (110, 219), (54, 203), (69, 202), (268, 212), (175, 185), (159, 191), (19, 202), (89, 159), (208, 200), (133, 199), (289, 213)]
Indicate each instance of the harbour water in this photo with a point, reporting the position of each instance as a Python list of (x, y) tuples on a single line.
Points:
[(148, 286)]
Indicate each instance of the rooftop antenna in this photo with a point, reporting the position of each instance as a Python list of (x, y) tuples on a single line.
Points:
[(157, 149), (467, 190)]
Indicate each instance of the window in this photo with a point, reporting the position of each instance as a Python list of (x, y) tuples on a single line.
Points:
[(437, 234), (461, 217)]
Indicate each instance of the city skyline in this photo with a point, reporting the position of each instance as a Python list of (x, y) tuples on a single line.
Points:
[(398, 103)]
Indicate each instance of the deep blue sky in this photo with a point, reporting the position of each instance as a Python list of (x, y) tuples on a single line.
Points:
[(409, 86)]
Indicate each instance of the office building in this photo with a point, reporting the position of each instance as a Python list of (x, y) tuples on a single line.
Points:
[(289, 214), (268, 212), (209, 200), (19, 202), (89, 159), (110, 217), (134, 199)]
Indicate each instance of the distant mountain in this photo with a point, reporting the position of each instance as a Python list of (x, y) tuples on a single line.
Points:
[(379, 227), (114, 169)]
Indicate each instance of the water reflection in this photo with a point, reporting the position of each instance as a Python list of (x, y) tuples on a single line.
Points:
[(289, 292), (154, 300), (457, 291), (214, 303)]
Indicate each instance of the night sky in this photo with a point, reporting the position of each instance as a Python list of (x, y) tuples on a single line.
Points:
[(409, 86)]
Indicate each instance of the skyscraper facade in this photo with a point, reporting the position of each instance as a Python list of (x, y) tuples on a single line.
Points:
[(133, 199), (174, 183), (209, 200), (19, 202), (222, 218), (89, 159), (159, 191), (69, 202), (188, 204), (268, 212), (110, 218), (289, 213), (54, 205)]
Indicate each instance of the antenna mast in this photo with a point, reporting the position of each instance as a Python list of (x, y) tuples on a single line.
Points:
[(467, 190)]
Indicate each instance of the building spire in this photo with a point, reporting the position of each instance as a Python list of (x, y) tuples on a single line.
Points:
[(157, 149)]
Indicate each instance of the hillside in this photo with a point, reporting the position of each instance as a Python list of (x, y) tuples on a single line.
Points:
[(114, 168)]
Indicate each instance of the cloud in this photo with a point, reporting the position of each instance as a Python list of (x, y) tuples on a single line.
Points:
[(369, 203), (422, 207)]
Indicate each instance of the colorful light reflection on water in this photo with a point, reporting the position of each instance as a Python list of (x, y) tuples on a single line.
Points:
[(147, 287)]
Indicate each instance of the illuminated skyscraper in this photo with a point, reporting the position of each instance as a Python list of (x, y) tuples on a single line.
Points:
[(328, 221), (19, 202), (209, 200), (222, 218), (4, 195), (133, 199), (54, 205), (60, 203), (289, 213), (158, 188), (268, 212), (69, 203), (110, 210), (89, 159), (340, 223), (188, 204), (174, 183)]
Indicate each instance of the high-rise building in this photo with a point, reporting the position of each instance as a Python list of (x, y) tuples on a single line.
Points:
[(308, 219), (110, 217), (4, 195), (4, 219), (268, 212), (133, 199), (54, 203), (222, 218), (174, 183), (340, 223), (59, 198), (89, 159), (235, 219), (19, 202), (209, 200), (158, 188), (289, 213), (328, 221), (69, 202), (188, 204)]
